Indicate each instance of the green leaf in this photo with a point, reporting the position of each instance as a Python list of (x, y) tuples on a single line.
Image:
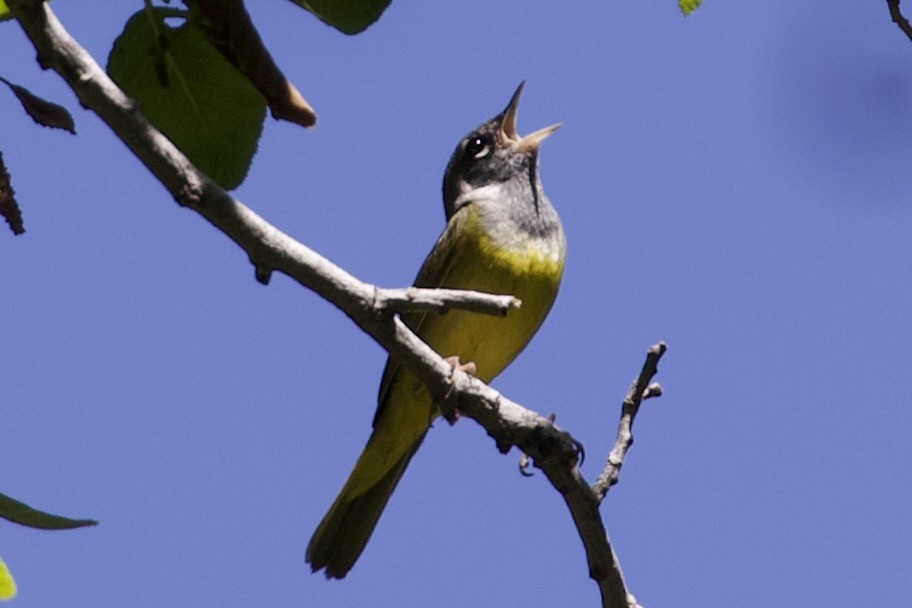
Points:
[(45, 113), (4, 11), (7, 584), (190, 92), (21, 513), (688, 6), (9, 207), (347, 16)]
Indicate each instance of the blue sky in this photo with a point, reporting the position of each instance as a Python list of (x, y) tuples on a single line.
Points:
[(736, 183)]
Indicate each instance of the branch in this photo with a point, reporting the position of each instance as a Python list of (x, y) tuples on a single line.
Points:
[(556, 453), (898, 18), (416, 299), (640, 389), (267, 247), (374, 310)]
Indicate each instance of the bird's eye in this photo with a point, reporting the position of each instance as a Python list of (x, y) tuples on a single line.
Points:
[(478, 147)]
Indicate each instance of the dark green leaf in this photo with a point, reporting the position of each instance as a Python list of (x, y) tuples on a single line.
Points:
[(21, 513), (348, 16), (190, 93), (9, 208), (42, 111)]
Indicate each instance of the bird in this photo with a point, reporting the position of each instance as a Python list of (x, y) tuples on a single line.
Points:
[(502, 236)]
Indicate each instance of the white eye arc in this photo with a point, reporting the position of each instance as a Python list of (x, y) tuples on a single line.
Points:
[(478, 147)]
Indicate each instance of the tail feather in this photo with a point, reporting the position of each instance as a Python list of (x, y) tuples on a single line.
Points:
[(342, 535)]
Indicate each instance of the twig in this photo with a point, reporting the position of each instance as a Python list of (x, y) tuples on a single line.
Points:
[(898, 18), (415, 299), (639, 390)]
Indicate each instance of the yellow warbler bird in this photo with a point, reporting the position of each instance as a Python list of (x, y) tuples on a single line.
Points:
[(502, 236)]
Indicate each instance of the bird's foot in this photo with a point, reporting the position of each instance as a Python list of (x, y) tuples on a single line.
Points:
[(525, 463), (580, 450), (449, 412)]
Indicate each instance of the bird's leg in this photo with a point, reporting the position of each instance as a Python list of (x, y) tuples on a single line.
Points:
[(449, 411)]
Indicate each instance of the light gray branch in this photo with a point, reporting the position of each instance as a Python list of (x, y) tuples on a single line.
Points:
[(640, 389), (374, 310), (415, 299)]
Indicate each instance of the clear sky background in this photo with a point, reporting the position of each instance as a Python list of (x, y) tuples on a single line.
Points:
[(737, 183)]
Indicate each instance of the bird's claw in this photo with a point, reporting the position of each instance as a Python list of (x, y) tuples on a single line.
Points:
[(524, 464), (451, 414), (579, 446)]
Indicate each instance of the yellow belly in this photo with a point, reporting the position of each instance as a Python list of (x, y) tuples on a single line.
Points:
[(489, 341), (531, 273)]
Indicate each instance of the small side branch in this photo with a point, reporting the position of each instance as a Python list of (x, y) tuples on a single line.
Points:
[(898, 18), (414, 299), (640, 389)]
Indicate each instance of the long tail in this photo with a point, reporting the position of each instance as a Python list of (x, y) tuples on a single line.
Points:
[(346, 528)]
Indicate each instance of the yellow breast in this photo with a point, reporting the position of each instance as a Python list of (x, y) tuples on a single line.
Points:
[(530, 270), (466, 257)]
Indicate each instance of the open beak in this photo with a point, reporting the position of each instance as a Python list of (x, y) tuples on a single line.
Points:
[(508, 126)]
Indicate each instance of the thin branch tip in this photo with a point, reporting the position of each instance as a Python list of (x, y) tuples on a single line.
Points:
[(898, 18), (653, 390), (641, 388)]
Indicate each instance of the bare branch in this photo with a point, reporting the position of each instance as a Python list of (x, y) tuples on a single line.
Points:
[(639, 390), (553, 451), (416, 299), (898, 18), (268, 247)]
